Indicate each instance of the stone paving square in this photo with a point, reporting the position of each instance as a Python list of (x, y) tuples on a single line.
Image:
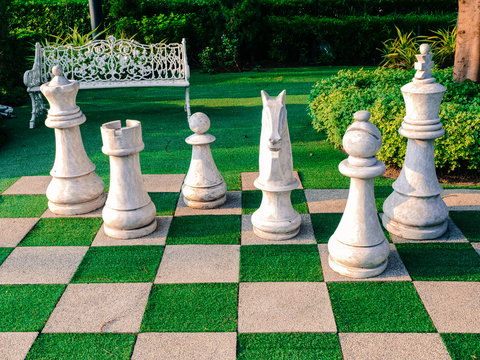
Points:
[(99, 308), (476, 246), (199, 264), (462, 199), (381, 346), (185, 346), (163, 182), (249, 177), (29, 185), (284, 307), (15, 345), (453, 306), (13, 230), (41, 265), (453, 235), (233, 206), (326, 200)]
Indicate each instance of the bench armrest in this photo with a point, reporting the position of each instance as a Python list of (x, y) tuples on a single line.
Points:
[(33, 77)]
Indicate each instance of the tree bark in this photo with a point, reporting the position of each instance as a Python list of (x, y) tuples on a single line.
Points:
[(467, 47)]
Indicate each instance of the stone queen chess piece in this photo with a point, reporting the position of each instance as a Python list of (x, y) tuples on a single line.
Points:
[(203, 187), (415, 209), (275, 219), (75, 187), (358, 247), (129, 212)]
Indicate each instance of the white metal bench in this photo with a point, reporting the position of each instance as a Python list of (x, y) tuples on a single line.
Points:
[(111, 63)]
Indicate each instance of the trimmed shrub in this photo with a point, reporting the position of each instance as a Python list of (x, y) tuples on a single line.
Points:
[(334, 100)]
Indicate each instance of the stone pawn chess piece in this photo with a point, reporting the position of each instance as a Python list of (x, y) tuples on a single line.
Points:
[(129, 212), (203, 187), (276, 219), (415, 209), (358, 247), (75, 187)]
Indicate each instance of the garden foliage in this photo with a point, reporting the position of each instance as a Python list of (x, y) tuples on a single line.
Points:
[(334, 100)]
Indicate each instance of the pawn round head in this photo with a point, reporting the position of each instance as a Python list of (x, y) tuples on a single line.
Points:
[(199, 123), (424, 49), (57, 70), (362, 138)]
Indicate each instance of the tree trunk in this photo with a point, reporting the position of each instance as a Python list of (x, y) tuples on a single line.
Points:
[(467, 48)]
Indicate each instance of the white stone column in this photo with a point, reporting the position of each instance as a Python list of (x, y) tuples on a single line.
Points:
[(75, 187), (203, 187), (129, 212), (415, 209), (358, 247)]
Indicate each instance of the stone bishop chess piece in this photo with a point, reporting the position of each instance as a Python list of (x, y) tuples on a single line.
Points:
[(75, 187), (358, 247), (203, 187), (129, 212), (415, 209), (275, 219)]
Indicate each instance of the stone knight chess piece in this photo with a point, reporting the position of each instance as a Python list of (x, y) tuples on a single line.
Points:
[(275, 219)]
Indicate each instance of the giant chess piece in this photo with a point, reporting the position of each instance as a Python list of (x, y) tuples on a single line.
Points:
[(129, 212), (203, 187), (75, 187), (415, 209), (358, 247), (275, 219)]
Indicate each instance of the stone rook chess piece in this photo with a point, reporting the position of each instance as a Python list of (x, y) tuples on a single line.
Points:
[(203, 187), (358, 247), (75, 187), (275, 219), (129, 212), (415, 209)]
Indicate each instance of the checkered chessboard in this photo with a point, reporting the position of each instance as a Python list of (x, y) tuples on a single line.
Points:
[(203, 286)]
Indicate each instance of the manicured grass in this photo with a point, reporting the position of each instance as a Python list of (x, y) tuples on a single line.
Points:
[(106, 264), (12, 206), (381, 194), (282, 346), (280, 263), (63, 232), (5, 183), (205, 229), (165, 202), (27, 307), (251, 201), (82, 346), (378, 307), (191, 308), (4, 252), (462, 346), (437, 261), (468, 222), (324, 226)]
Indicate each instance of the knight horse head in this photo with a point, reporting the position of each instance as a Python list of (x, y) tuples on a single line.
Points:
[(274, 119)]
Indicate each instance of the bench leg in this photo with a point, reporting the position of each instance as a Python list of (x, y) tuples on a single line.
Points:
[(187, 102), (38, 107)]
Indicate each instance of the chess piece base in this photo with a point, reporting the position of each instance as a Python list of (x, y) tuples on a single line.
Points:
[(354, 272), (275, 236), (130, 233), (77, 209), (205, 204), (414, 232)]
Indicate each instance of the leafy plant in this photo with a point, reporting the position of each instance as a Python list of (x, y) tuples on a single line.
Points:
[(442, 43), (73, 37), (224, 56), (400, 52)]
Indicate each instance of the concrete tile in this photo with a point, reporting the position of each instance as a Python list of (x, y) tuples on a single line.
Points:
[(285, 307), (185, 346), (100, 308), (305, 236), (454, 306), (395, 270), (381, 346), (15, 345), (95, 213), (326, 200), (462, 199), (199, 264), (233, 206), (13, 230), (453, 235), (158, 237), (163, 182), (249, 177), (476, 246), (29, 185), (41, 264)]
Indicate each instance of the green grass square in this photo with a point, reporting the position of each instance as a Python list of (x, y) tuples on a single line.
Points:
[(378, 307), (105, 264), (63, 232), (165, 202), (191, 308), (205, 229), (5, 183), (381, 194), (27, 307), (468, 222), (13, 206), (281, 346), (82, 346), (324, 225), (462, 346), (280, 263), (252, 199), (4, 252), (441, 261)]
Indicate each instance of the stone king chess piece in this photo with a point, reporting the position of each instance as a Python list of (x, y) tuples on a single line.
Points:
[(275, 219)]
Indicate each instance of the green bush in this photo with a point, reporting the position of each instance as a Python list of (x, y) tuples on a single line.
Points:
[(334, 100)]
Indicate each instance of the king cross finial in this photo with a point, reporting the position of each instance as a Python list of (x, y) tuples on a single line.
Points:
[(424, 64)]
